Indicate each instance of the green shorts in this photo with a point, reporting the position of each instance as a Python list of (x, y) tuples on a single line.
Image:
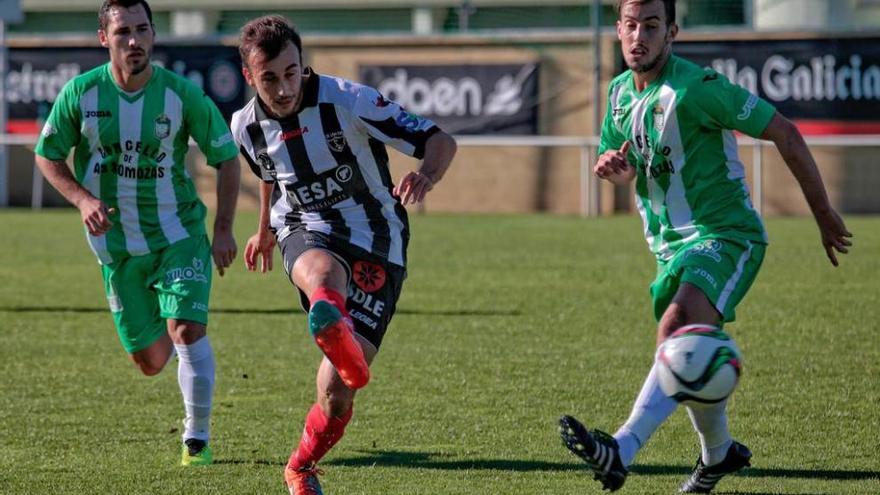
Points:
[(723, 268), (144, 291)]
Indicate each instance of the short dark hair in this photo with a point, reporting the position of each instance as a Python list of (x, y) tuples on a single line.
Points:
[(668, 4), (268, 34), (104, 12)]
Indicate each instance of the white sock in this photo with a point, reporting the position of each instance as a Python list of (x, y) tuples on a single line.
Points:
[(195, 374), (710, 421), (649, 411)]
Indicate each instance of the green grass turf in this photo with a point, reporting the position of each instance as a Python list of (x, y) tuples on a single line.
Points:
[(505, 323)]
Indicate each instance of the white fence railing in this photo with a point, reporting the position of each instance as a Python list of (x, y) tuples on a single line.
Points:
[(589, 184)]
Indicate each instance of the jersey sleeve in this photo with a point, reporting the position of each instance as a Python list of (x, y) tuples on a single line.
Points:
[(724, 105), (611, 138), (390, 123), (61, 130), (261, 166), (208, 129)]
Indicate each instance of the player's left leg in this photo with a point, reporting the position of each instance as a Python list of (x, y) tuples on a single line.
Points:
[(183, 283), (724, 280)]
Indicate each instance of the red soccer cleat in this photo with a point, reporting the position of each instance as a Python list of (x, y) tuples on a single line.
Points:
[(333, 334)]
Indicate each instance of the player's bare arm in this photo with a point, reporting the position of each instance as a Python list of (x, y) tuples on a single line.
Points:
[(223, 248), (794, 150), (439, 151), (613, 166), (261, 245), (95, 214)]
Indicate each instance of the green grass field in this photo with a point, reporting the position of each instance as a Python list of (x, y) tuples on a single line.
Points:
[(506, 322)]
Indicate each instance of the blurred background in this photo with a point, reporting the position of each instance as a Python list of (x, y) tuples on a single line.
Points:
[(522, 84)]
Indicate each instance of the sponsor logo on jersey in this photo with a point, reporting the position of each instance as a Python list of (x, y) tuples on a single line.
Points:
[(368, 276), (48, 130), (327, 189), (98, 114), (294, 133), (709, 248), (344, 173), (381, 102), (220, 141), (267, 163), (747, 108), (706, 275), (127, 148), (336, 141), (408, 121), (194, 273), (129, 172), (163, 126)]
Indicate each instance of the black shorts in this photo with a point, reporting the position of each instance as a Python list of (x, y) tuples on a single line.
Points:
[(373, 285)]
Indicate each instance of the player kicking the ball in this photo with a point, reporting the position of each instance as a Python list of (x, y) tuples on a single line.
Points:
[(318, 144), (669, 126)]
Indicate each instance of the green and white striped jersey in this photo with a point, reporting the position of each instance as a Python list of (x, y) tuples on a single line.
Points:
[(690, 182), (130, 150)]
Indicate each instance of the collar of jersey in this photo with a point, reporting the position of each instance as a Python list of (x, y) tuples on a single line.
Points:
[(659, 80), (124, 94), (310, 96)]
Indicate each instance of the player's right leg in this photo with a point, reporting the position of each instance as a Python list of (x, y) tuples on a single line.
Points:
[(135, 310), (324, 427), (323, 278)]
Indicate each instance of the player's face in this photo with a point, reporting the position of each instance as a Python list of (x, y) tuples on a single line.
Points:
[(646, 39), (278, 81), (129, 36)]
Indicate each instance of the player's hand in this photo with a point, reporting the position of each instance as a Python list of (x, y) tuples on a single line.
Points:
[(614, 162), (834, 234), (95, 215), (259, 245), (223, 250), (413, 187)]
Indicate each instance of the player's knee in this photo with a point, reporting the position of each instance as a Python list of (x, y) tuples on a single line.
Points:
[(186, 332), (148, 368)]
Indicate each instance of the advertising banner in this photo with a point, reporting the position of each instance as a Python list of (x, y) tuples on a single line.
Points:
[(464, 98), (829, 85), (36, 76)]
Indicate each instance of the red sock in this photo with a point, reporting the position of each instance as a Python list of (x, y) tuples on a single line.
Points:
[(331, 296), (319, 436)]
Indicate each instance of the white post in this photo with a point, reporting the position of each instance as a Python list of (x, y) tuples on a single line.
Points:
[(4, 161), (757, 176)]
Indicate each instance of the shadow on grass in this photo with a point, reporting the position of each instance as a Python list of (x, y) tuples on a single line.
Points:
[(433, 460), (273, 311), (823, 474)]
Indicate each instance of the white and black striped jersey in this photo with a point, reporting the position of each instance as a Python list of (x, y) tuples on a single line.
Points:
[(329, 164)]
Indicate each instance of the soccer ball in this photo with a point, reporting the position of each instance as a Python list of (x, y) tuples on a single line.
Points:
[(698, 363)]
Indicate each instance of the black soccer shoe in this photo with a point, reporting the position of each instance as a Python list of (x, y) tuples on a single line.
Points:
[(596, 448), (704, 478)]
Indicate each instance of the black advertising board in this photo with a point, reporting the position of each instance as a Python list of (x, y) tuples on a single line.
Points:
[(822, 80), (463, 98), (36, 75)]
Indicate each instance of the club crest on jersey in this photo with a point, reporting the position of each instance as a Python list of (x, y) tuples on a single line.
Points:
[(163, 126), (336, 141), (659, 120)]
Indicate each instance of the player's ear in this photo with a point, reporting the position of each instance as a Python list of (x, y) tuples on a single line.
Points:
[(102, 38), (248, 77), (672, 32)]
